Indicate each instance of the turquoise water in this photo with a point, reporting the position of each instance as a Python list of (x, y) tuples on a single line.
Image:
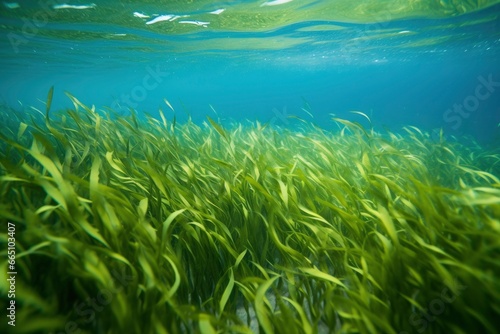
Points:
[(424, 63)]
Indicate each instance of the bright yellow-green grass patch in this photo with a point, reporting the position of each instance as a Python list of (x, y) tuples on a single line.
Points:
[(129, 225)]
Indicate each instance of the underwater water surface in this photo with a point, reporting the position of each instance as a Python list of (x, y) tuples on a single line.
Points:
[(283, 166)]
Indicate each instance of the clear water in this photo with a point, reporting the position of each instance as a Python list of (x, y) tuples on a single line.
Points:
[(433, 64)]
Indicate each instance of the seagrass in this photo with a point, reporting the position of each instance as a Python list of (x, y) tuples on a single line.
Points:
[(189, 228)]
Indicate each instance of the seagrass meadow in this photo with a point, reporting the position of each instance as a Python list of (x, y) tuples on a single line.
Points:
[(141, 225)]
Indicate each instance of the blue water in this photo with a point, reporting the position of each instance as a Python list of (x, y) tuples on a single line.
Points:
[(410, 75)]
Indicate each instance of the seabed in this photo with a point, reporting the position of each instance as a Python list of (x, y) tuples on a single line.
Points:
[(145, 225)]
